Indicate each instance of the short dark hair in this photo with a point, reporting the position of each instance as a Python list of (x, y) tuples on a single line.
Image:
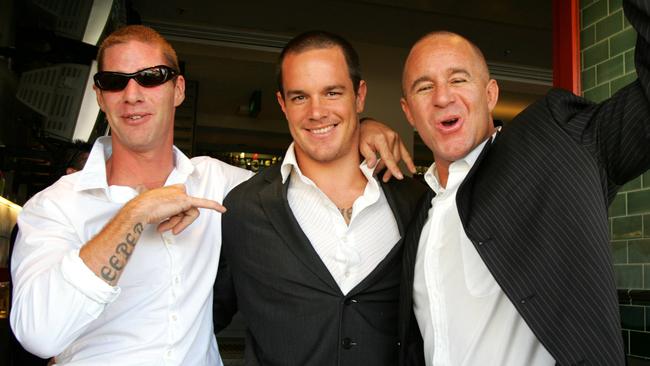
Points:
[(79, 151), (317, 39)]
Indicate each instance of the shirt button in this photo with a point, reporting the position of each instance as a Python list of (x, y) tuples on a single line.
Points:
[(348, 343), (350, 301), (168, 353), (177, 280), (173, 317)]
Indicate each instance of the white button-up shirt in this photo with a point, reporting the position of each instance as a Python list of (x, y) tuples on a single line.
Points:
[(350, 252), (464, 316), (160, 312)]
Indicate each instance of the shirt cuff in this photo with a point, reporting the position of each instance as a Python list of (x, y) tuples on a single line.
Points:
[(76, 273)]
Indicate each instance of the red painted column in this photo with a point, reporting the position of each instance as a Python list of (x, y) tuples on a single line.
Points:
[(566, 45)]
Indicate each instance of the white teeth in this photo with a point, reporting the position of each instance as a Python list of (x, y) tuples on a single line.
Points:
[(322, 130), (134, 117)]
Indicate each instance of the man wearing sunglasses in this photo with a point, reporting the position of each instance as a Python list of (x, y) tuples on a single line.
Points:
[(107, 268)]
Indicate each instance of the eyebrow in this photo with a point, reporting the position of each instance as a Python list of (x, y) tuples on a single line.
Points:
[(326, 89), (294, 92)]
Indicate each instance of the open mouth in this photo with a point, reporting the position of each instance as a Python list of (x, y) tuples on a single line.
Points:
[(449, 122)]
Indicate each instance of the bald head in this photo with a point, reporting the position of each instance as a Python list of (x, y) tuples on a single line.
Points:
[(437, 40), (448, 96)]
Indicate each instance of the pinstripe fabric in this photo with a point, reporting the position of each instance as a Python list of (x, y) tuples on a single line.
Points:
[(535, 206), (295, 311)]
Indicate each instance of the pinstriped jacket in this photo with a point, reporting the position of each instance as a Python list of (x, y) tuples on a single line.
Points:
[(535, 207)]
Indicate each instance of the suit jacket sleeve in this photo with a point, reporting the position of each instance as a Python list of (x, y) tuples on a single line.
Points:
[(617, 131), (224, 305)]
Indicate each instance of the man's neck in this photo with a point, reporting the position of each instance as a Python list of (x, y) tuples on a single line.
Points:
[(342, 181), (442, 168), (148, 169)]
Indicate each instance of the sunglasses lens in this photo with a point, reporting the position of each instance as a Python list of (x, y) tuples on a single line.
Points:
[(152, 76), (115, 81), (111, 81)]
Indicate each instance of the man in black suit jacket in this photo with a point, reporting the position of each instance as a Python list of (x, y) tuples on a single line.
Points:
[(531, 208), (313, 255)]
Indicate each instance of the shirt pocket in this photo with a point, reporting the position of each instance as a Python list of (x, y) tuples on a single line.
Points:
[(478, 279)]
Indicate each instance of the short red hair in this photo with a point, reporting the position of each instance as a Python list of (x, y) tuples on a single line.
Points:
[(138, 33)]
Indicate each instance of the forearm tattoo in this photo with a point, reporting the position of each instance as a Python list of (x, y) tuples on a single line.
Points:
[(347, 214), (123, 251)]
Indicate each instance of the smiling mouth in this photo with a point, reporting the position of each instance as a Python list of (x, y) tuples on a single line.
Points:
[(134, 117), (322, 130)]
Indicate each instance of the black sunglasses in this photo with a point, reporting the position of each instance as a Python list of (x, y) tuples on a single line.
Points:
[(149, 77)]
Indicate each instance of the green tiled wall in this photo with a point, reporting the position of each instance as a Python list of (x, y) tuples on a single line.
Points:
[(607, 54), (606, 39)]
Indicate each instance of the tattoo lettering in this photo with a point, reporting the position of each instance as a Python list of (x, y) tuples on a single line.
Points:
[(115, 263), (347, 214), (108, 274), (123, 251)]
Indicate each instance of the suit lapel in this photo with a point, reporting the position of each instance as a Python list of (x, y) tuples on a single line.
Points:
[(395, 205), (414, 232), (464, 196), (273, 197)]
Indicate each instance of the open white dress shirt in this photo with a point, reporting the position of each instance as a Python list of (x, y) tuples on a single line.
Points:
[(464, 316), (160, 312), (350, 252)]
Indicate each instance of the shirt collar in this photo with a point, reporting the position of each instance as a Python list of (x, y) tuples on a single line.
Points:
[(290, 163), (93, 175), (457, 170)]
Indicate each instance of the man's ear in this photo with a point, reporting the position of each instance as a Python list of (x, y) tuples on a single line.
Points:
[(492, 91), (280, 98), (100, 97), (361, 96), (407, 112), (179, 90)]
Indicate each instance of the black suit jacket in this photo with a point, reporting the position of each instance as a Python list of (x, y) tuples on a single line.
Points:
[(535, 207), (294, 310)]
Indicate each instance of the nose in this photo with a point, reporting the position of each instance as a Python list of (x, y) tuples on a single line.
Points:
[(317, 109), (132, 93), (442, 96)]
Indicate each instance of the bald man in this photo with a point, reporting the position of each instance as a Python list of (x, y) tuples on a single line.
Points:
[(508, 262)]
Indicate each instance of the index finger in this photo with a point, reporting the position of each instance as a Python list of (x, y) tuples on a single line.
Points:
[(389, 159), (206, 203), (406, 157)]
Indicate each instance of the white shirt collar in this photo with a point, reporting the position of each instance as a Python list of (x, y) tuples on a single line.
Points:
[(462, 166), (93, 175), (290, 163)]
